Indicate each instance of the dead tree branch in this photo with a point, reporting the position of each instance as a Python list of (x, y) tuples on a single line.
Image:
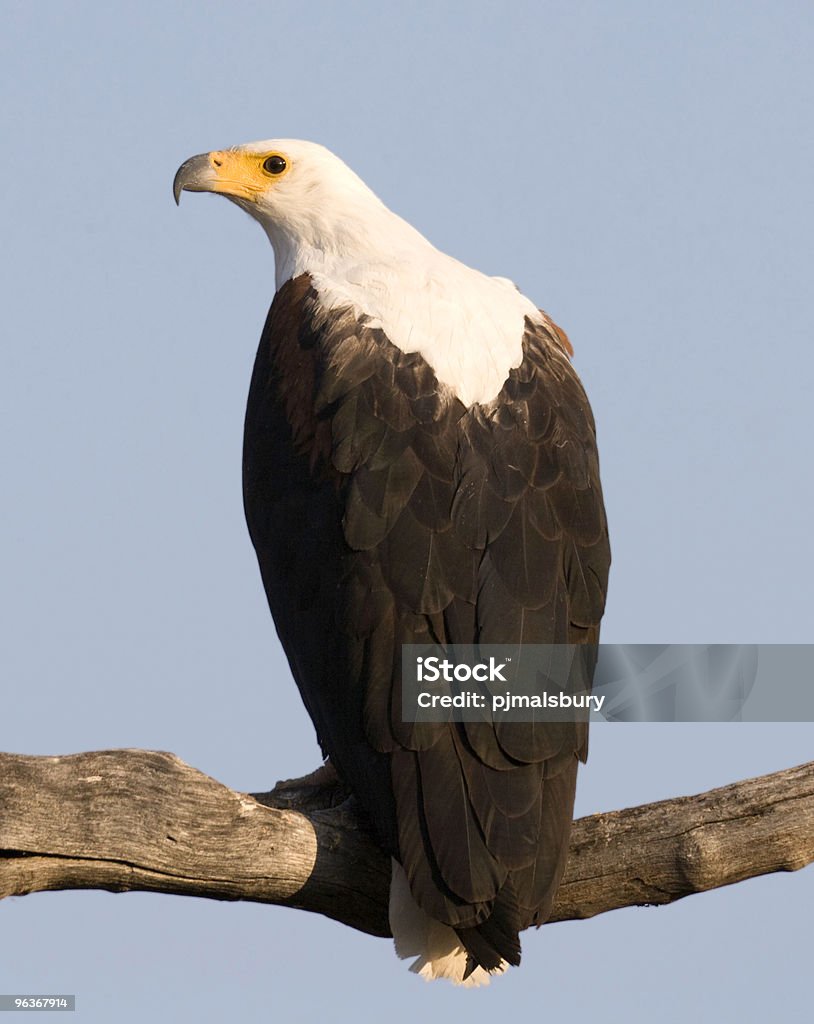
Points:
[(126, 820)]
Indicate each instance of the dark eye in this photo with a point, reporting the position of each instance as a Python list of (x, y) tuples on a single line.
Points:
[(275, 165)]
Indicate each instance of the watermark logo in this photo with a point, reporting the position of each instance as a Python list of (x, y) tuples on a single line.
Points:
[(433, 669), (612, 682), (498, 682)]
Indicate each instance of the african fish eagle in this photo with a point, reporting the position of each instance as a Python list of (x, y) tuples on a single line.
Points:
[(419, 465)]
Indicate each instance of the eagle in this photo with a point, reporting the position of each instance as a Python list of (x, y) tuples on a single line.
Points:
[(419, 466)]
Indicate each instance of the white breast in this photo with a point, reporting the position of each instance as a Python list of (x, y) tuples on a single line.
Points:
[(469, 327)]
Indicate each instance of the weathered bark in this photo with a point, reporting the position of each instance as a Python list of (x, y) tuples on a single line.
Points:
[(140, 820)]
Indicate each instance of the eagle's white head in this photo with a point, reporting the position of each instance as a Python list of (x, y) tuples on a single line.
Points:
[(303, 195), (278, 178)]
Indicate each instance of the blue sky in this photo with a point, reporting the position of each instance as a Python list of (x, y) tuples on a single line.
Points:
[(644, 172)]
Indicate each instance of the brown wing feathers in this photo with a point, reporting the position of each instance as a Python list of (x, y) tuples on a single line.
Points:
[(384, 512)]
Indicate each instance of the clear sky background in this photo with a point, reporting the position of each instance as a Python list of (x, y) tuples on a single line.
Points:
[(644, 171)]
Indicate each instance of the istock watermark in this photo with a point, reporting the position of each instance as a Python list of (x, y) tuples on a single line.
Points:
[(612, 682), (432, 669), (498, 682)]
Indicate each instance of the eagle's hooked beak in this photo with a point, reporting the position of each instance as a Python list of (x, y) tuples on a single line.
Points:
[(194, 175), (228, 172)]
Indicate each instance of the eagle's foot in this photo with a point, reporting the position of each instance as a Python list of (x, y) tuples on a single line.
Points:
[(316, 791)]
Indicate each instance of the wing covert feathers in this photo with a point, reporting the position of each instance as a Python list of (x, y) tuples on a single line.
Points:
[(385, 512)]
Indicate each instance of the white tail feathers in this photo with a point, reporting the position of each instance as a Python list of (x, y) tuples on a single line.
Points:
[(438, 951)]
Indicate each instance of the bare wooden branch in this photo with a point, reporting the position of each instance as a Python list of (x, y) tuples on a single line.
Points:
[(139, 820)]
